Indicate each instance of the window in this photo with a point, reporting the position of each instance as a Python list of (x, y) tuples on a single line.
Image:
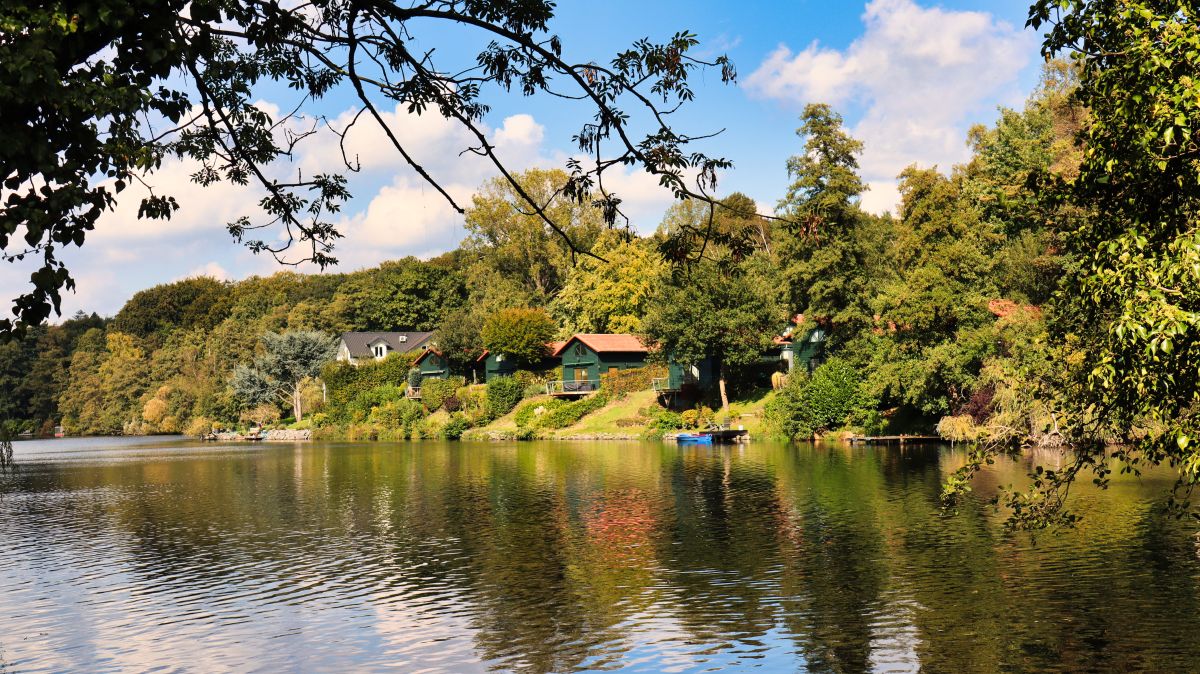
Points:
[(579, 351), (380, 350), (402, 339)]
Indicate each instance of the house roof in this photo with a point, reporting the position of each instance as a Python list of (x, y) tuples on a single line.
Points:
[(606, 343), (553, 347), (359, 343), (427, 352)]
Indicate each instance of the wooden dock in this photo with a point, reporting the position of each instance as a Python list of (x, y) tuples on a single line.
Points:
[(894, 439)]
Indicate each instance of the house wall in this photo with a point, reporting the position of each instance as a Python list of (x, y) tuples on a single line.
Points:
[(493, 368), (574, 358), (433, 366)]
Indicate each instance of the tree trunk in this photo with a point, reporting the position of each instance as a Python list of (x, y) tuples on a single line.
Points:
[(296, 401), (724, 394)]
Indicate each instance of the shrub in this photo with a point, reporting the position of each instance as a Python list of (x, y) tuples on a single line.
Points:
[(570, 413), (827, 399), (620, 383), (344, 381), (527, 412), (503, 394), (414, 378), (457, 425), (666, 420), (360, 407), (452, 404), (473, 402), (199, 426), (700, 417), (403, 415), (434, 392)]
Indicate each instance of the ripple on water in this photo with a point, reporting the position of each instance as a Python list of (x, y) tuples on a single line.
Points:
[(566, 557)]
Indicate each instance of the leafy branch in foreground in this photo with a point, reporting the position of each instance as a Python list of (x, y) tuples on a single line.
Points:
[(97, 96), (1128, 315)]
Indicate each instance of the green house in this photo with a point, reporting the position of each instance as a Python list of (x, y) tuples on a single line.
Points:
[(683, 376), (585, 357), (808, 351), (491, 365), (432, 365)]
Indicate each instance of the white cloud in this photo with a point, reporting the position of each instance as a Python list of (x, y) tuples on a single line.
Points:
[(211, 270), (395, 212), (922, 75)]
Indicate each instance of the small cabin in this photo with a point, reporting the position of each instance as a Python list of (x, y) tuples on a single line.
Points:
[(432, 364), (683, 377), (358, 347), (585, 357), (491, 365)]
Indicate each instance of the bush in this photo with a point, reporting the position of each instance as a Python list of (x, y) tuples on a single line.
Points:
[(700, 417), (473, 402), (434, 392), (452, 404), (401, 415), (457, 425), (414, 378), (622, 382), (527, 416), (503, 394), (570, 413), (826, 400), (666, 420), (199, 426), (344, 381), (361, 406)]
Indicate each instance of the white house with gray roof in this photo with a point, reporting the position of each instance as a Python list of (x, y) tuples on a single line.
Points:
[(363, 346)]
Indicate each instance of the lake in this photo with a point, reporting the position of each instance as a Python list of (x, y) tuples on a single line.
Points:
[(165, 554)]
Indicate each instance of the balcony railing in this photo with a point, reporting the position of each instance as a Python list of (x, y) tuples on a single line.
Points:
[(572, 388), (672, 384), (414, 393)]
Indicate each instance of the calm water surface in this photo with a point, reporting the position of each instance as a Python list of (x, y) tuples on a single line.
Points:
[(119, 555)]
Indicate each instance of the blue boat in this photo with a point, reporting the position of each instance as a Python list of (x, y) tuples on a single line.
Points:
[(694, 439)]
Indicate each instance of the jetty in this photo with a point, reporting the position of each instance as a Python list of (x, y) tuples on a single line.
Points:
[(894, 439)]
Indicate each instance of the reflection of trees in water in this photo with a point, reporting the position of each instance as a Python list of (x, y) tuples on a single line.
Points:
[(555, 554)]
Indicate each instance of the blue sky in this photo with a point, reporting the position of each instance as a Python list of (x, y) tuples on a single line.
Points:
[(909, 76)]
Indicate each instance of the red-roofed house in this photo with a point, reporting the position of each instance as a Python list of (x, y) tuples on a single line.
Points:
[(587, 356)]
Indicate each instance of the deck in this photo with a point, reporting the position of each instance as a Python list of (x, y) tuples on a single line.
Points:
[(894, 439), (572, 389)]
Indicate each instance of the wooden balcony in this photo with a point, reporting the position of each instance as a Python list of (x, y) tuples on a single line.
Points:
[(413, 393), (574, 388)]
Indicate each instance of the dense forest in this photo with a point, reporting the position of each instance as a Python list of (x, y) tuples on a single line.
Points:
[(935, 313)]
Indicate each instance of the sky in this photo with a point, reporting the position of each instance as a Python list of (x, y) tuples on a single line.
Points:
[(910, 77)]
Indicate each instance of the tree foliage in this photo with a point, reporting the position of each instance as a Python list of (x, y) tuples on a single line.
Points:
[(97, 96), (279, 373), (520, 334)]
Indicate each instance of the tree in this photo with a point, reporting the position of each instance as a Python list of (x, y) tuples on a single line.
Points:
[(1127, 309), (610, 295), (824, 246), (520, 334), (399, 295), (80, 81), (508, 236), (459, 338), (278, 375), (710, 314)]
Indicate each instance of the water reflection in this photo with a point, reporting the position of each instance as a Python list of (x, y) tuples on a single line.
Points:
[(557, 557)]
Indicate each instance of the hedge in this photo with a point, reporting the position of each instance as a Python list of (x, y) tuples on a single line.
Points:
[(623, 382), (503, 394)]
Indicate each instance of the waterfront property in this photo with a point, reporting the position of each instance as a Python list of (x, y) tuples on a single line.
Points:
[(491, 365), (356, 347), (585, 357), (432, 364)]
